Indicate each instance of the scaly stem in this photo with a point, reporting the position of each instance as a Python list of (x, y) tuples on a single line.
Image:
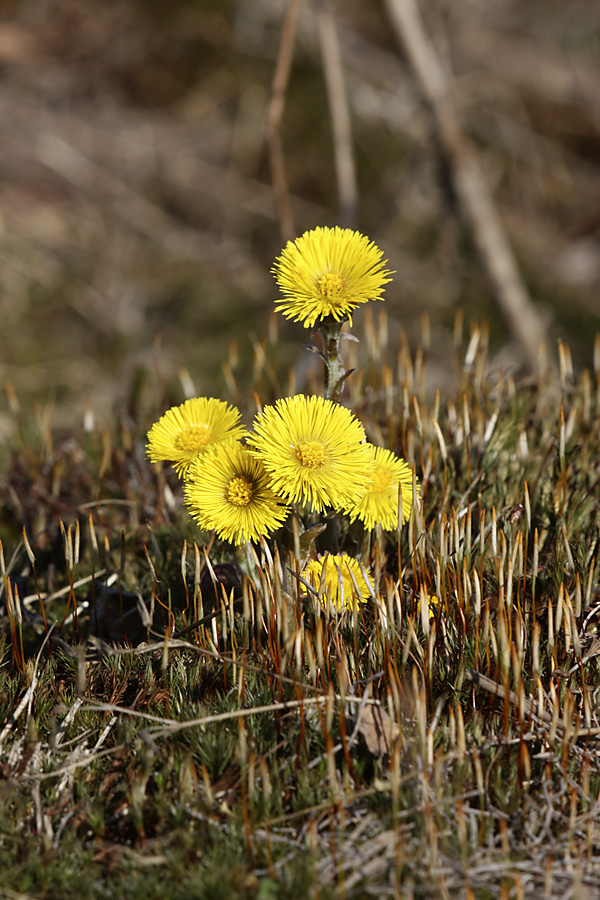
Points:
[(334, 364)]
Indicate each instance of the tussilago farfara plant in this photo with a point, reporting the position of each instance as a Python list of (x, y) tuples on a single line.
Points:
[(308, 453)]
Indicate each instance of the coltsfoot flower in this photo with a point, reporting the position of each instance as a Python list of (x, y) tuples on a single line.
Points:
[(340, 579), (379, 504), (186, 431), (228, 490), (313, 451), (328, 272), (433, 604)]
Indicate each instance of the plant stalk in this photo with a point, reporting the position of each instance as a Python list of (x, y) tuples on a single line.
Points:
[(335, 373)]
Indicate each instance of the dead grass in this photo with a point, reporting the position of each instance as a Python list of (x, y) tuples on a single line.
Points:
[(173, 707)]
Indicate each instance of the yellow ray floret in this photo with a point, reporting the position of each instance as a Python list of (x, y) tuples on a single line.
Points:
[(313, 451), (228, 490), (328, 272), (340, 580), (186, 431), (379, 505)]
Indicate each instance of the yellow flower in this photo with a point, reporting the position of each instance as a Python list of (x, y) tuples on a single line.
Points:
[(188, 430), (312, 449), (340, 579), (433, 603), (328, 272), (379, 504), (228, 490)]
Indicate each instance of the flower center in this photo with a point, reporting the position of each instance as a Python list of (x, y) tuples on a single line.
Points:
[(194, 438), (381, 480), (239, 491), (310, 454), (330, 285)]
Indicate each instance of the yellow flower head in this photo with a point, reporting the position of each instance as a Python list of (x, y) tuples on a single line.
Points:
[(340, 579), (186, 431), (312, 449), (433, 604), (328, 272), (228, 490), (379, 504)]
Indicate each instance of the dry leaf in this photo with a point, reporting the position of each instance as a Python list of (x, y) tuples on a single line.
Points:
[(378, 730)]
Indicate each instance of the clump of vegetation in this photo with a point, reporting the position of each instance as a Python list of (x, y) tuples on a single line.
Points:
[(307, 452), (307, 702)]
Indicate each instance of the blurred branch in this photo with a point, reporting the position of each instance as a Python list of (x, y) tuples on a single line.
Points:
[(275, 115), (340, 114), (472, 191)]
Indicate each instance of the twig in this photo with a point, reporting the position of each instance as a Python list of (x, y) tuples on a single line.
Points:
[(471, 189), (67, 721), (85, 760), (527, 705), (170, 726), (500, 691), (275, 115), (337, 96), (25, 703), (27, 700), (47, 598)]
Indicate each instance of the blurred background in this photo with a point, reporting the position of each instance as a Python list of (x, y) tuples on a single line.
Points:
[(138, 220)]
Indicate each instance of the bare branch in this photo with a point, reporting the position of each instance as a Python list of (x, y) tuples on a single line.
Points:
[(472, 191), (275, 115), (337, 96)]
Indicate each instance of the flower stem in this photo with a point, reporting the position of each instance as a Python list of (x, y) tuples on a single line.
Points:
[(334, 364)]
